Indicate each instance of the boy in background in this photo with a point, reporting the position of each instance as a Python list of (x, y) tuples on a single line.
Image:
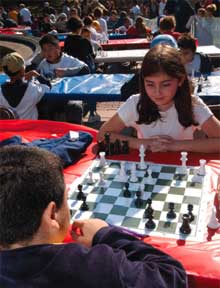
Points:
[(17, 94), (194, 62), (57, 65)]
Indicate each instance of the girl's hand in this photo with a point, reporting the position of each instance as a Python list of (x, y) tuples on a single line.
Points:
[(83, 231), (160, 143)]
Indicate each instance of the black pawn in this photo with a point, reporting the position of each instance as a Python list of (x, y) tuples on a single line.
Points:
[(101, 147), (171, 214), (149, 210), (84, 206), (111, 149), (117, 145), (138, 201), (199, 89), (127, 193), (190, 209), (150, 224), (107, 143), (185, 228), (80, 194), (125, 147)]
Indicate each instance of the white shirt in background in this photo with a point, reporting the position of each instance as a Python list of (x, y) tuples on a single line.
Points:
[(161, 8), (25, 14), (70, 63), (27, 108)]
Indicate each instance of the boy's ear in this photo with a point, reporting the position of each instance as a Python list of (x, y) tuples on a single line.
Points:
[(49, 217)]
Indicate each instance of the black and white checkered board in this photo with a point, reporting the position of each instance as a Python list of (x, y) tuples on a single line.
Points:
[(168, 185)]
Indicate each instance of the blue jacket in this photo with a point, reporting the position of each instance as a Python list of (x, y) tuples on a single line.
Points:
[(67, 149), (115, 260)]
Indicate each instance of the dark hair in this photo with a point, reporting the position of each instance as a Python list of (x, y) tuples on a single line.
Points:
[(123, 14), (97, 12), (140, 26), (49, 39), (164, 58), (167, 23), (187, 41), (87, 20), (74, 24), (30, 178)]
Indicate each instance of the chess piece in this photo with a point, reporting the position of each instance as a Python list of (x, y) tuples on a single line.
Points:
[(125, 147), (138, 202), (112, 149), (102, 161), (142, 165), (149, 210), (80, 193), (117, 145), (185, 227), (213, 222), (150, 224), (84, 206), (183, 162), (199, 89), (101, 147), (202, 171), (171, 214), (149, 179), (141, 187), (107, 143), (101, 179), (190, 209), (90, 180), (127, 193), (196, 178), (133, 177), (122, 173)]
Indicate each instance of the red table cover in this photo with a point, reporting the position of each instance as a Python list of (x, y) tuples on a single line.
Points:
[(201, 260)]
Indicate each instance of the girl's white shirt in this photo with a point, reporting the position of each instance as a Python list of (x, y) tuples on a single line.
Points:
[(168, 125)]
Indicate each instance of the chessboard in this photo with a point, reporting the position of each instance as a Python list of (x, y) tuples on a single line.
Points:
[(168, 191)]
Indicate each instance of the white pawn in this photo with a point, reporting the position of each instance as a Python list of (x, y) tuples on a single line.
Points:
[(196, 178), (141, 187), (149, 178), (213, 222), (133, 177), (183, 162), (142, 164), (101, 179), (122, 174), (90, 180), (202, 171), (102, 162)]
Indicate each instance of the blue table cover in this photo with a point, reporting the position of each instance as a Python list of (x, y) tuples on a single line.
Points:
[(90, 87)]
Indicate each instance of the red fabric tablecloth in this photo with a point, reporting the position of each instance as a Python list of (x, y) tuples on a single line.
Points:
[(201, 260), (122, 44)]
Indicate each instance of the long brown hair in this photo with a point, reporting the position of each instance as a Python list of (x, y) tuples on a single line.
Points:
[(141, 27), (164, 58)]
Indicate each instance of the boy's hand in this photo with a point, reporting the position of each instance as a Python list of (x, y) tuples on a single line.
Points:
[(59, 72), (30, 74), (83, 231)]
